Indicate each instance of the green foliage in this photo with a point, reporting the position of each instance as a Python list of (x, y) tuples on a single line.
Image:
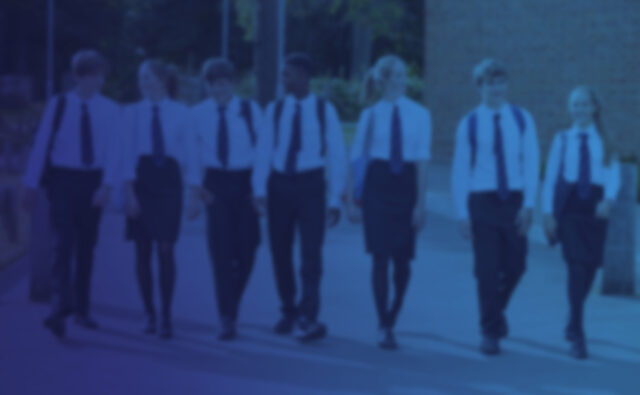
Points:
[(346, 95)]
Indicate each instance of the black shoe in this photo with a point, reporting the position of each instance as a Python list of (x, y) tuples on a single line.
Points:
[(285, 325), (503, 330), (579, 349), (166, 330), (490, 345), (55, 324), (387, 339), (310, 331), (86, 322), (228, 332), (151, 326)]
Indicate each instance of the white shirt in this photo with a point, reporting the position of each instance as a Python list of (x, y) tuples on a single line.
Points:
[(309, 157), (137, 136), (105, 119), (522, 157), (415, 123), (607, 177), (203, 150)]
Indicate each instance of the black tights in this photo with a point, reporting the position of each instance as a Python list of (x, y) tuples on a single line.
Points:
[(145, 277), (380, 278), (580, 280)]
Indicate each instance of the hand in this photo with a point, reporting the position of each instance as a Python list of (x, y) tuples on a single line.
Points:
[(204, 195), (419, 217), (550, 228), (194, 207), (29, 198), (260, 204), (132, 205), (333, 216), (465, 228), (102, 196), (354, 213), (603, 211), (524, 220)]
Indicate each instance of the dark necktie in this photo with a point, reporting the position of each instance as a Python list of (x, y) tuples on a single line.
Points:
[(295, 142), (157, 140), (86, 138), (223, 137), (501, 167), (584, 174), (396, 161)]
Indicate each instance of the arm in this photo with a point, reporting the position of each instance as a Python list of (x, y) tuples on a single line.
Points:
[(337, 158), (551, 174), (263, 153), (36, 162), (461, 171), (531, 164)]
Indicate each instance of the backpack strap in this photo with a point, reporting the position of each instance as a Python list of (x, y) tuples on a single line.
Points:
[(519, 116), (321, 105), (246, 113), (277, 114), (61, 104), (472, 131)]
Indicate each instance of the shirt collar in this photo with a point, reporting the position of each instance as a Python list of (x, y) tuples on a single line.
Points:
[(307, 100), (231, 104), (590, 130), (490, 111), (74, 96)]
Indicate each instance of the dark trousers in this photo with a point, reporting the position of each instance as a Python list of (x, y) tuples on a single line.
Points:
[(583, 237), (75, 222), (233, 235), (500, 256), (297, 201)]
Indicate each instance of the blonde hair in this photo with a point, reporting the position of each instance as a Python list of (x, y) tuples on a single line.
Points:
[(488, 69), (605, 135), (379, 75), (166, 73)]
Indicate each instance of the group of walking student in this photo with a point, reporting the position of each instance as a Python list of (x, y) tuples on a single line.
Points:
[(289, 163)]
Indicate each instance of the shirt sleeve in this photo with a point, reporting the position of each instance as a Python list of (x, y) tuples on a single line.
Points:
[(115, 156), (337, 157), (263, 153), (551, 174), (36, 162), (424, 141), (461, 171), (192, 146), (531, 155), (612, 181), (357, 146), (129, 141)]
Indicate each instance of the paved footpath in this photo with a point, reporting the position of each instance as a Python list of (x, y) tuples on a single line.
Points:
[(437, 329)]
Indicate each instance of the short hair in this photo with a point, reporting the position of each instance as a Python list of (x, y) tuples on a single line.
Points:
[(487, 70), (217, 68), (301, 61), (88, 62)]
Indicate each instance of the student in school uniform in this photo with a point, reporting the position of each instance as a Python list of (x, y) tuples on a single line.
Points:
[(75, 159), (154, 147), (299, 180), (225, 130), (495, 180), (581, 183), (394, 134)]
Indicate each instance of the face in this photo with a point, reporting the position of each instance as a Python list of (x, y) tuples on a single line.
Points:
[(90, 84), (397, 82), (221, 89), (581, 107), (151, 87), (294, 79), (494, 90)]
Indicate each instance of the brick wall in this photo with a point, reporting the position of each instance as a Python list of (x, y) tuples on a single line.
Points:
[(549, 46)]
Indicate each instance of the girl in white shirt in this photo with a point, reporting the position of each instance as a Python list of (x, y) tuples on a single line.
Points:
[(395, 134), (154, 149), (582, 181)]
